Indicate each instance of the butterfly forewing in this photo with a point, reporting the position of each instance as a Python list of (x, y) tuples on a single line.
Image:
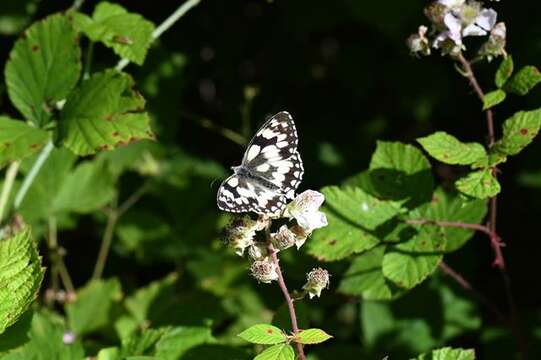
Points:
[(270, 172)]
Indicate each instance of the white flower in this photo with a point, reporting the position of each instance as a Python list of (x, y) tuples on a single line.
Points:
[(418, 43), (452, 4), (284, 238), (68, 337), (495, 45), (481, 24), (305, 209)]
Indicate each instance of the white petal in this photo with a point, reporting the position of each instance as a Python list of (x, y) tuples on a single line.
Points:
[(473, 30), (487, 19)]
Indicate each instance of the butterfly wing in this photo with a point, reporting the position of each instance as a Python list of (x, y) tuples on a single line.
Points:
[(272, 154), (239, 194)]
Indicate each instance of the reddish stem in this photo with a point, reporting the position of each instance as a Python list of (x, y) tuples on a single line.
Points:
[(289, 300), (455, 224)]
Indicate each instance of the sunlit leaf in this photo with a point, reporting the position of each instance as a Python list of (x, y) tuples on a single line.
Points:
[(518, 131), (504, 71), (493, 98), (43, 68), (448, 149), (20, 275), (104, 113), (277, 352), (312, 336), (263, 334), (479, 184), (19, 140), (180, 339), (128, 34), (448, 354), (523, 81)]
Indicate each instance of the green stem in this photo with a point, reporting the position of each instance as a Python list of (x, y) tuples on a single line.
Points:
[(11, 174), (59, 267), (30, 177), (77, 4), (88, 59), (225, 132), (164, 26)]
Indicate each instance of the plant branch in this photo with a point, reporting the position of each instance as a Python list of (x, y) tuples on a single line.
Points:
[(491, 224), (164, 26), (31, 176), (466, 285), (11, 174), (225, 132), (57, 257), (287, 296)]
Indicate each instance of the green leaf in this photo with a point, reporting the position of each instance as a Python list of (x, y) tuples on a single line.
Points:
[(60, 189), (128, 34), (448, 149), (450, 206), (140, 344), (312, 336), (365, 277), (20, 275), (448, 353), (523, 81), (504, 71), (46, 341), (493, 98), (43, 68), (94, 305), (179, 340), (350, 213), (518, 131), (400, 172), (277, 352), (19, 140), (103, 113), (408, 263), (263, 334), (479, 184)]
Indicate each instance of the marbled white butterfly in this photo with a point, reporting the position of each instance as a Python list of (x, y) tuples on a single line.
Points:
[(270, 172)]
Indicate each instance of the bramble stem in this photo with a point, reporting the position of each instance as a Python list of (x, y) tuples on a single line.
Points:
[(210, 125), (287, 296), (164, 26), (11, 174), (59, 267), (454, 224), (495, 241), (31, 176)]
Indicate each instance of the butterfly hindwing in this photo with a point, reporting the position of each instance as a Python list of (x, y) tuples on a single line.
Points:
[(270, 172)]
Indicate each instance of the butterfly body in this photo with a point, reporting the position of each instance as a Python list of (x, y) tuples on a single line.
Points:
[(270, 171)]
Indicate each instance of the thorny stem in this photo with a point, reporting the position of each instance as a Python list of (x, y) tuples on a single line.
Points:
[(164, 26), (291, 307), (11, 174), (466, 285), (493, 235)]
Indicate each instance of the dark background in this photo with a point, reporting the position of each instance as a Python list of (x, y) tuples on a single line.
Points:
[(342, 69)]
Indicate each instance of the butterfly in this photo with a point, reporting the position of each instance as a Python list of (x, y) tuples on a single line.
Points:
[(270, 171)]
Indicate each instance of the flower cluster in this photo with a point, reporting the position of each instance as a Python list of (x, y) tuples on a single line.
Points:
[(454, 20), (303, 216)]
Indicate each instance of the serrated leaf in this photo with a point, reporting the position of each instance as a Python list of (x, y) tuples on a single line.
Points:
[(479, 184), (450, 206), (103, 113), (46, 341), (448, 149), (19, 140), (523, 81), (401, 172), (493, 158), (493, 98), (43, 68), (312, 336), (448, 353), (504, 71), (518, 132), (365, 277), (263, 334), (408, 263), (128, 34), (277, 352), (94, 305), (350, 213), (20, 275)]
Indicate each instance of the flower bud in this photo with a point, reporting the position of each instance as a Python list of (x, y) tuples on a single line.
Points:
[(264, 271), (435, 12), (418, 43), (239, 234), (316, 281), (283, 239), (495, 45)]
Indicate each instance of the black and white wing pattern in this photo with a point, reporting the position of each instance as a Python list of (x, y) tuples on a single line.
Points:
[(270, 172)]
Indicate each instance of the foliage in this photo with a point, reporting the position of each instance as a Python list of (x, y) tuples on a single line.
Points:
[(119, 121)]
